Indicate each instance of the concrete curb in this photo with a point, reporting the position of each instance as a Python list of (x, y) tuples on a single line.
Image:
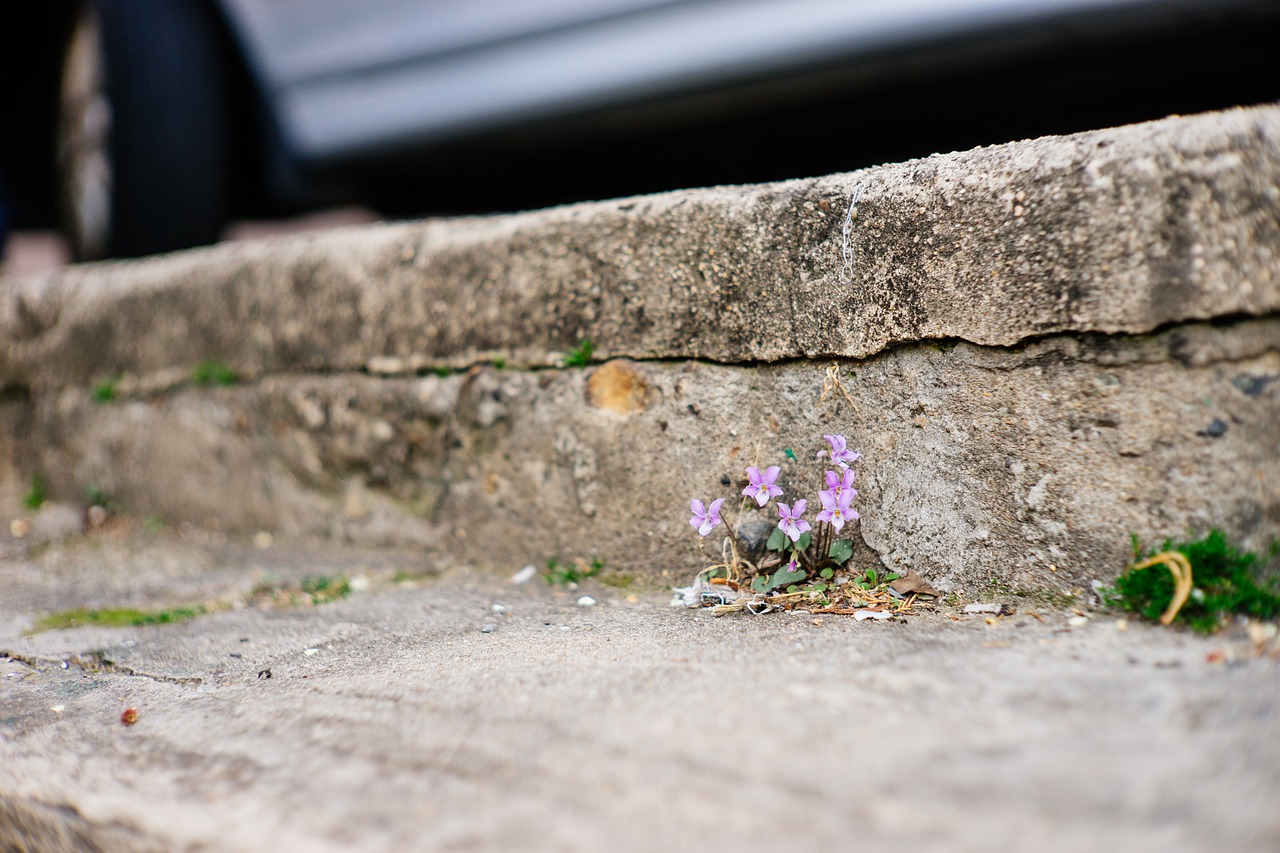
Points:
[(1125, 230), (1010, 433)]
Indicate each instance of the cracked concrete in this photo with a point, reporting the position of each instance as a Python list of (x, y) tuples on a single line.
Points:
[(391, 721), (1044, 347)]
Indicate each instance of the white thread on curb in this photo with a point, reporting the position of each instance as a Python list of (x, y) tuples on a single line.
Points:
[(846, 237)]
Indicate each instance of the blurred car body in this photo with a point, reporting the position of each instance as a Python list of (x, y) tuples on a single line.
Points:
[(170, 116)]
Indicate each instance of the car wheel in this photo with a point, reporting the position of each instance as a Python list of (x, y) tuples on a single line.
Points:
[(144, 130)]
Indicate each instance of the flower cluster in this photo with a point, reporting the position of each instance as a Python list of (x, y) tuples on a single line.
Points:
[(808, 550)]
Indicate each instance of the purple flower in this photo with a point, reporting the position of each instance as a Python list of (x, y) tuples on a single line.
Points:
[(840, 454), (839, 484), (792, 524), (762, 487), (705, 518), (836, 510)]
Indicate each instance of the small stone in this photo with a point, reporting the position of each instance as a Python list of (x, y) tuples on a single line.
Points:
[(96, 516), (488, 628), (310, 652), (58, 709), (1078, 621), (19, 528), (754, 535), (586, 601), (358, 584), (1216, 429), (262, 540), (501, 609), (524, 575)]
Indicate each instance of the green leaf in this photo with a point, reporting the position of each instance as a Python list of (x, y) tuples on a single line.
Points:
[(818, 587), (803, 542), (841, 551), (760, 583), (892, 576), (791, 454), (793, 588), (777, 540), (828, 573), (871, 577), (782, 577)]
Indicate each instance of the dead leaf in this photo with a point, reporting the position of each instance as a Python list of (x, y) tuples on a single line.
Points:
[(912, 582)]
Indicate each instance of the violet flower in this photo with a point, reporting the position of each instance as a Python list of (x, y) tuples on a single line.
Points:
[(836, 510), (838, 484), (762, 487), (840, 453), (792, 524), (705, 518)]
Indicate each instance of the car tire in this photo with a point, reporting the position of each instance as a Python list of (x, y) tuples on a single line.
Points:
[(145, 128)]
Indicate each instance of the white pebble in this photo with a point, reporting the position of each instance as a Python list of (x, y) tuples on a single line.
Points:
[(586, 601), (524, 575), (500, 609)]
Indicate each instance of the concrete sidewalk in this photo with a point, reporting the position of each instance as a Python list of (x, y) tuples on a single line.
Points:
[(1041, 348), (392, 721)]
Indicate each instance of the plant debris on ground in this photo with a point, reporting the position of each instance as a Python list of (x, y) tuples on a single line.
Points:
[(1223, 582), (561, 575)]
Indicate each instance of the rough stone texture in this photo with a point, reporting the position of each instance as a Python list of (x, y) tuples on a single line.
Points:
[(980, 463), (1122, 230), (391, 722), (1010, 432)]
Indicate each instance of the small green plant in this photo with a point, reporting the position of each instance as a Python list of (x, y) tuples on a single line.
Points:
[(618, 580), (499, 363), (443, 371), (115, 617), (106, 391), (324, 589), (95, 496), (580, 356), (558, 575), (208, 373), (1223, 582), (34, 498)]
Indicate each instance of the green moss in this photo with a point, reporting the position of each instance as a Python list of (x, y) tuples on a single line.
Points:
[(558, 575), (96, 496), (34, 498), (324, 589), (115, 617), (106, 391), (1224, 583), (213, 373)]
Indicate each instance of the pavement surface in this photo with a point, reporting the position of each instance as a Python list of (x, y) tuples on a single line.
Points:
[(412, 715)]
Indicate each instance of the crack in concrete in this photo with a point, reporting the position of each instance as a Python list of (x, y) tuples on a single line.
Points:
[(95, 662), (143, 390)]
